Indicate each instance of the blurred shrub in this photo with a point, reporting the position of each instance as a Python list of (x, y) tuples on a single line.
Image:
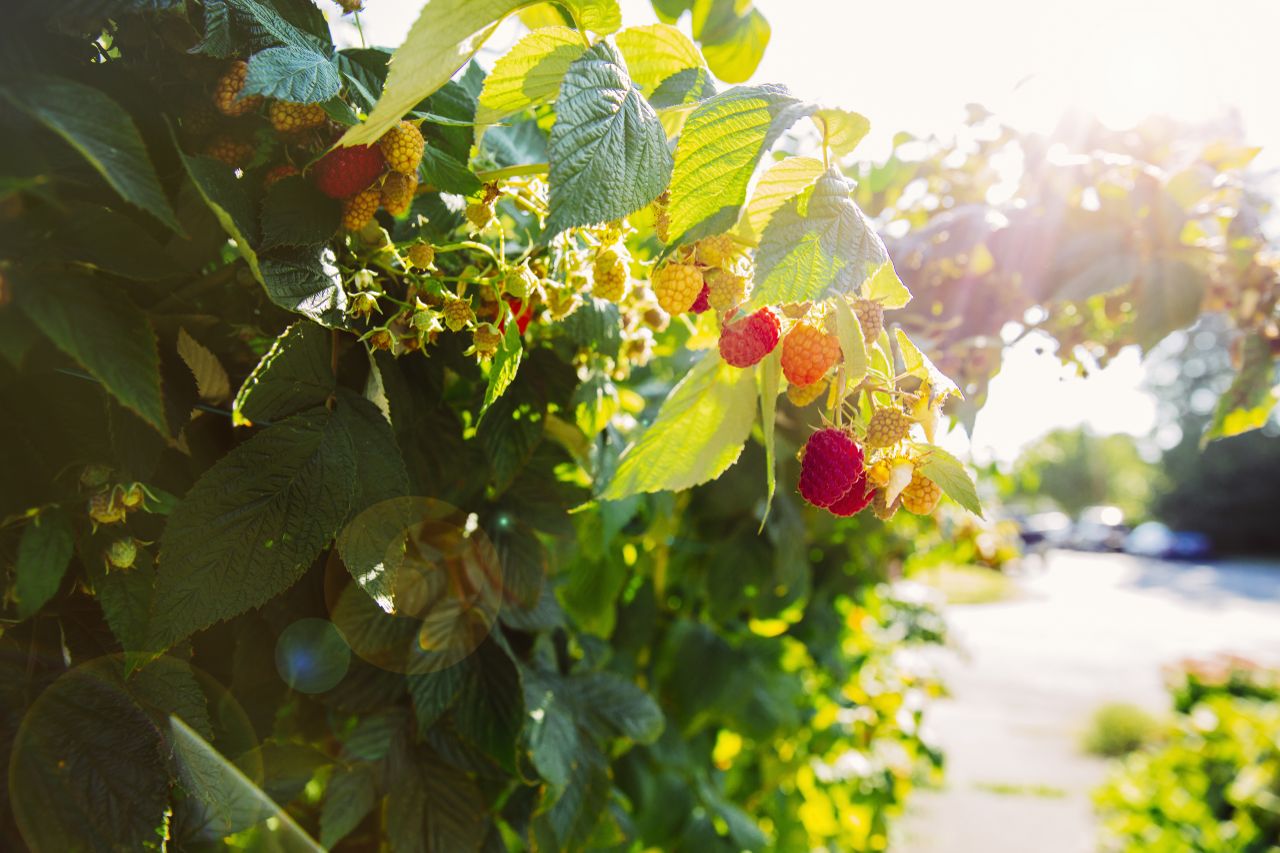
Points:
[(1193, 681), (1118, 729), (1213, 786)]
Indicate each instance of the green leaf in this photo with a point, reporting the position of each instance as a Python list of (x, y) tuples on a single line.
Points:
[(769, 381), (617, 707), (1170, 297), (852, 345), (841, 130), (433, 693), (550, 728), (655, 52), (212, 382), (949, 473), (432, 806), (102, 132), (231, 802), (306, 281), (101, 329), (1247, 404), (817, 245), (735, 55), (529, 73), (885, 287), (608, 150), (699, 432), (917, 364), (493, 699), (1109, 272), (88, 766), (597, 16), (252, 524), (266, 19), (292, 74), (110, 241), (718, 150), (380, 471), (295, 213), (571, 820), (125, 599), (446, 34), (503, 367), (784, 180), (43, 555), (348, 798), (231, 205), (447, 174), (294, 375)]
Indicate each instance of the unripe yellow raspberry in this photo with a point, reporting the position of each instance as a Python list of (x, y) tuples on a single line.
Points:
[(106, 508), (422, 255), (921, 495), (561, 301), (349, 6), (610, 274), (870, 317), (803, 395), (485, 340), (479, 215), (291, 118), (402, 147), (358, 210), (725, 290), (887, 426), (122, 553), (236, 153), (717, 251), (228, 89), (520, 282), (458, 314), (398, 190), (677, 287)]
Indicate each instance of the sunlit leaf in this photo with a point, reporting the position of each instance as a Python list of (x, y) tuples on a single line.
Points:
[(528, 74)]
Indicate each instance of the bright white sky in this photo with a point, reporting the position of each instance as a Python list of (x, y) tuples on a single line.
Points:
[(914, 64)]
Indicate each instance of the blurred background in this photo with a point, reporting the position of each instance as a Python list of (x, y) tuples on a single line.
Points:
[(1065, 190)]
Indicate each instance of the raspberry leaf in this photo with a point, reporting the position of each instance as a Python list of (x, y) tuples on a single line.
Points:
[(885, 287), (295, 213), (503, 366), (655, 53), (102, 132), (350, 795), (769, 380), (784, 180), (719, 147), (252, 524), (43, 555), (225, 196), (919, 365), (817, 244), (100, 328), (852, 346), (732, 42), (293, 74), (1247, 404), (306, 281), (598, 16), (293, 376), (529, 73), (698, 433), (841, 130), (446, 35), (608, 151), (950, 474)]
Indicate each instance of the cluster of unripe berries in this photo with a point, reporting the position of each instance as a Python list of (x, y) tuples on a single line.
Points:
[(363, 177), (109, 505)]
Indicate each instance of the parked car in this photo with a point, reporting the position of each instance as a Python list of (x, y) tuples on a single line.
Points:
[(1099, 528), (1045, 529), (1153, 539)]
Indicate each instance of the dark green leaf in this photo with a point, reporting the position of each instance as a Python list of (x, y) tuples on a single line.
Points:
[(432, 806), (112, 242), (252, 525), (225, 196), (293, 376), (570, 822), (218, 39), (491, 703), (551, 730), (616, 706), (102, 132), (608, 150), (100, 328), (349, 797), (684, 87), (293, 74), (295, 213), (516, 144), (443, 172), (380, 471), (433, 693), (266, 19), (43, 555), (306, 281)]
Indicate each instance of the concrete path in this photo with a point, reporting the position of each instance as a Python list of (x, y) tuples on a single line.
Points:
[(1026, 674)]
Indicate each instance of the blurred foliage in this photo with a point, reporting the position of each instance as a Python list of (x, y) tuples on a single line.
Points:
[(1117, 729), (1075, 469), (1212, 784)]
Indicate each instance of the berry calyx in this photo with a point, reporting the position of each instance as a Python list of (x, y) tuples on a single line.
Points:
[(831, 465), (808, 353), (343, 172), (287, 117), (226, 94), (677, 287), (887, 426), (921, 495), (880, 506), (398, 190), (402, 146), (746, 341), (870, 314), (358, 211)]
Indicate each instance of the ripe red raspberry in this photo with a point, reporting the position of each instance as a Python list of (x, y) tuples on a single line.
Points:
[(808, 353), (831, 465), (226, 95), (855, 500), (703, 302), (522, 311), (747, 340), (402, 145), (343, 172)]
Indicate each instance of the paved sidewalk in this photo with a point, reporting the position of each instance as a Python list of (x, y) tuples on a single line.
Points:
[(1026, 674)]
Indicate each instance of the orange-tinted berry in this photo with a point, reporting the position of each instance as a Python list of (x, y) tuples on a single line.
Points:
[(808, 353), (226, 95), (358, 210), (871, 317), (921, 495), (236, 153), (278, 173)]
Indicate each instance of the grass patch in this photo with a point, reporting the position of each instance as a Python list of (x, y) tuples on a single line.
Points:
[(1117, 729), (966, 584), (1008, 789)]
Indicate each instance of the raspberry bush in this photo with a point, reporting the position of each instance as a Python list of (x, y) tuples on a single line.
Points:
[(392, 449)]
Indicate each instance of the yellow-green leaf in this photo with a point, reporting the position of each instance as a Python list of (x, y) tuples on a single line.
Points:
[(949, 473), (655, 52), (770, 380), (918, 364), (885, 287), (841, 130), (736, 57), (852, 345), (784, 180), (529, 73)]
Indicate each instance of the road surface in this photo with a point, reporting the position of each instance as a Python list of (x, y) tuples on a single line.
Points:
[(1026, 674)]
